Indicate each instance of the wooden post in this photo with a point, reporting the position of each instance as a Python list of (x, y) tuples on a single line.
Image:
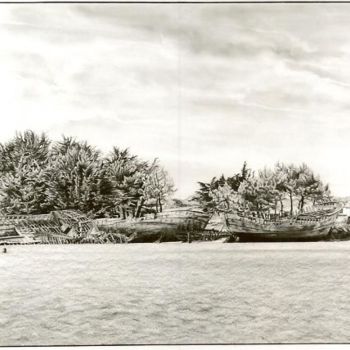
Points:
[(79, 229)]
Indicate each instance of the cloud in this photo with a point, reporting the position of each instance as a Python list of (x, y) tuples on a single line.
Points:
[(203, 87)]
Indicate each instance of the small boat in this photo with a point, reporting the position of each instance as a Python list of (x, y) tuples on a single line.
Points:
[(313, 225)]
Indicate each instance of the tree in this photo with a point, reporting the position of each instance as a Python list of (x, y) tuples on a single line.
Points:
[(235, 181), (290, 181), (37, 177), (127, 175), (213, 195), (309, 186), (76, 176), (23, 167), (269, 194), (264, 193), (158, 186), (301, 184), (225, 199), (204, 195)]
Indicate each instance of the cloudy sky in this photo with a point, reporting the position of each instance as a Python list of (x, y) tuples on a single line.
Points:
[(202, 87)]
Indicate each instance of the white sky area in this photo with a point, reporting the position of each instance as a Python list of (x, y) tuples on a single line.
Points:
[(201, 87)]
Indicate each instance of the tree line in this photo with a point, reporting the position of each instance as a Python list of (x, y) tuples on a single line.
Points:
[(266, 192), (38, 175)]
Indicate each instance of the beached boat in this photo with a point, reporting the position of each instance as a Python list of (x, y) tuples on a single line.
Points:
[(58, 227), (312, 225), (170, 225)]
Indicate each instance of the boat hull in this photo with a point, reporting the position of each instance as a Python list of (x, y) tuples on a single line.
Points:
[(295, 236), (168, 226), (289, 230)]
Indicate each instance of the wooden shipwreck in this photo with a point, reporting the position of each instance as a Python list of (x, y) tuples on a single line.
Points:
[(312, 225), (172, 224), (58, 227)]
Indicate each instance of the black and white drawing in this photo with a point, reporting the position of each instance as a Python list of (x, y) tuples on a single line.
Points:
[(174, 173)]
